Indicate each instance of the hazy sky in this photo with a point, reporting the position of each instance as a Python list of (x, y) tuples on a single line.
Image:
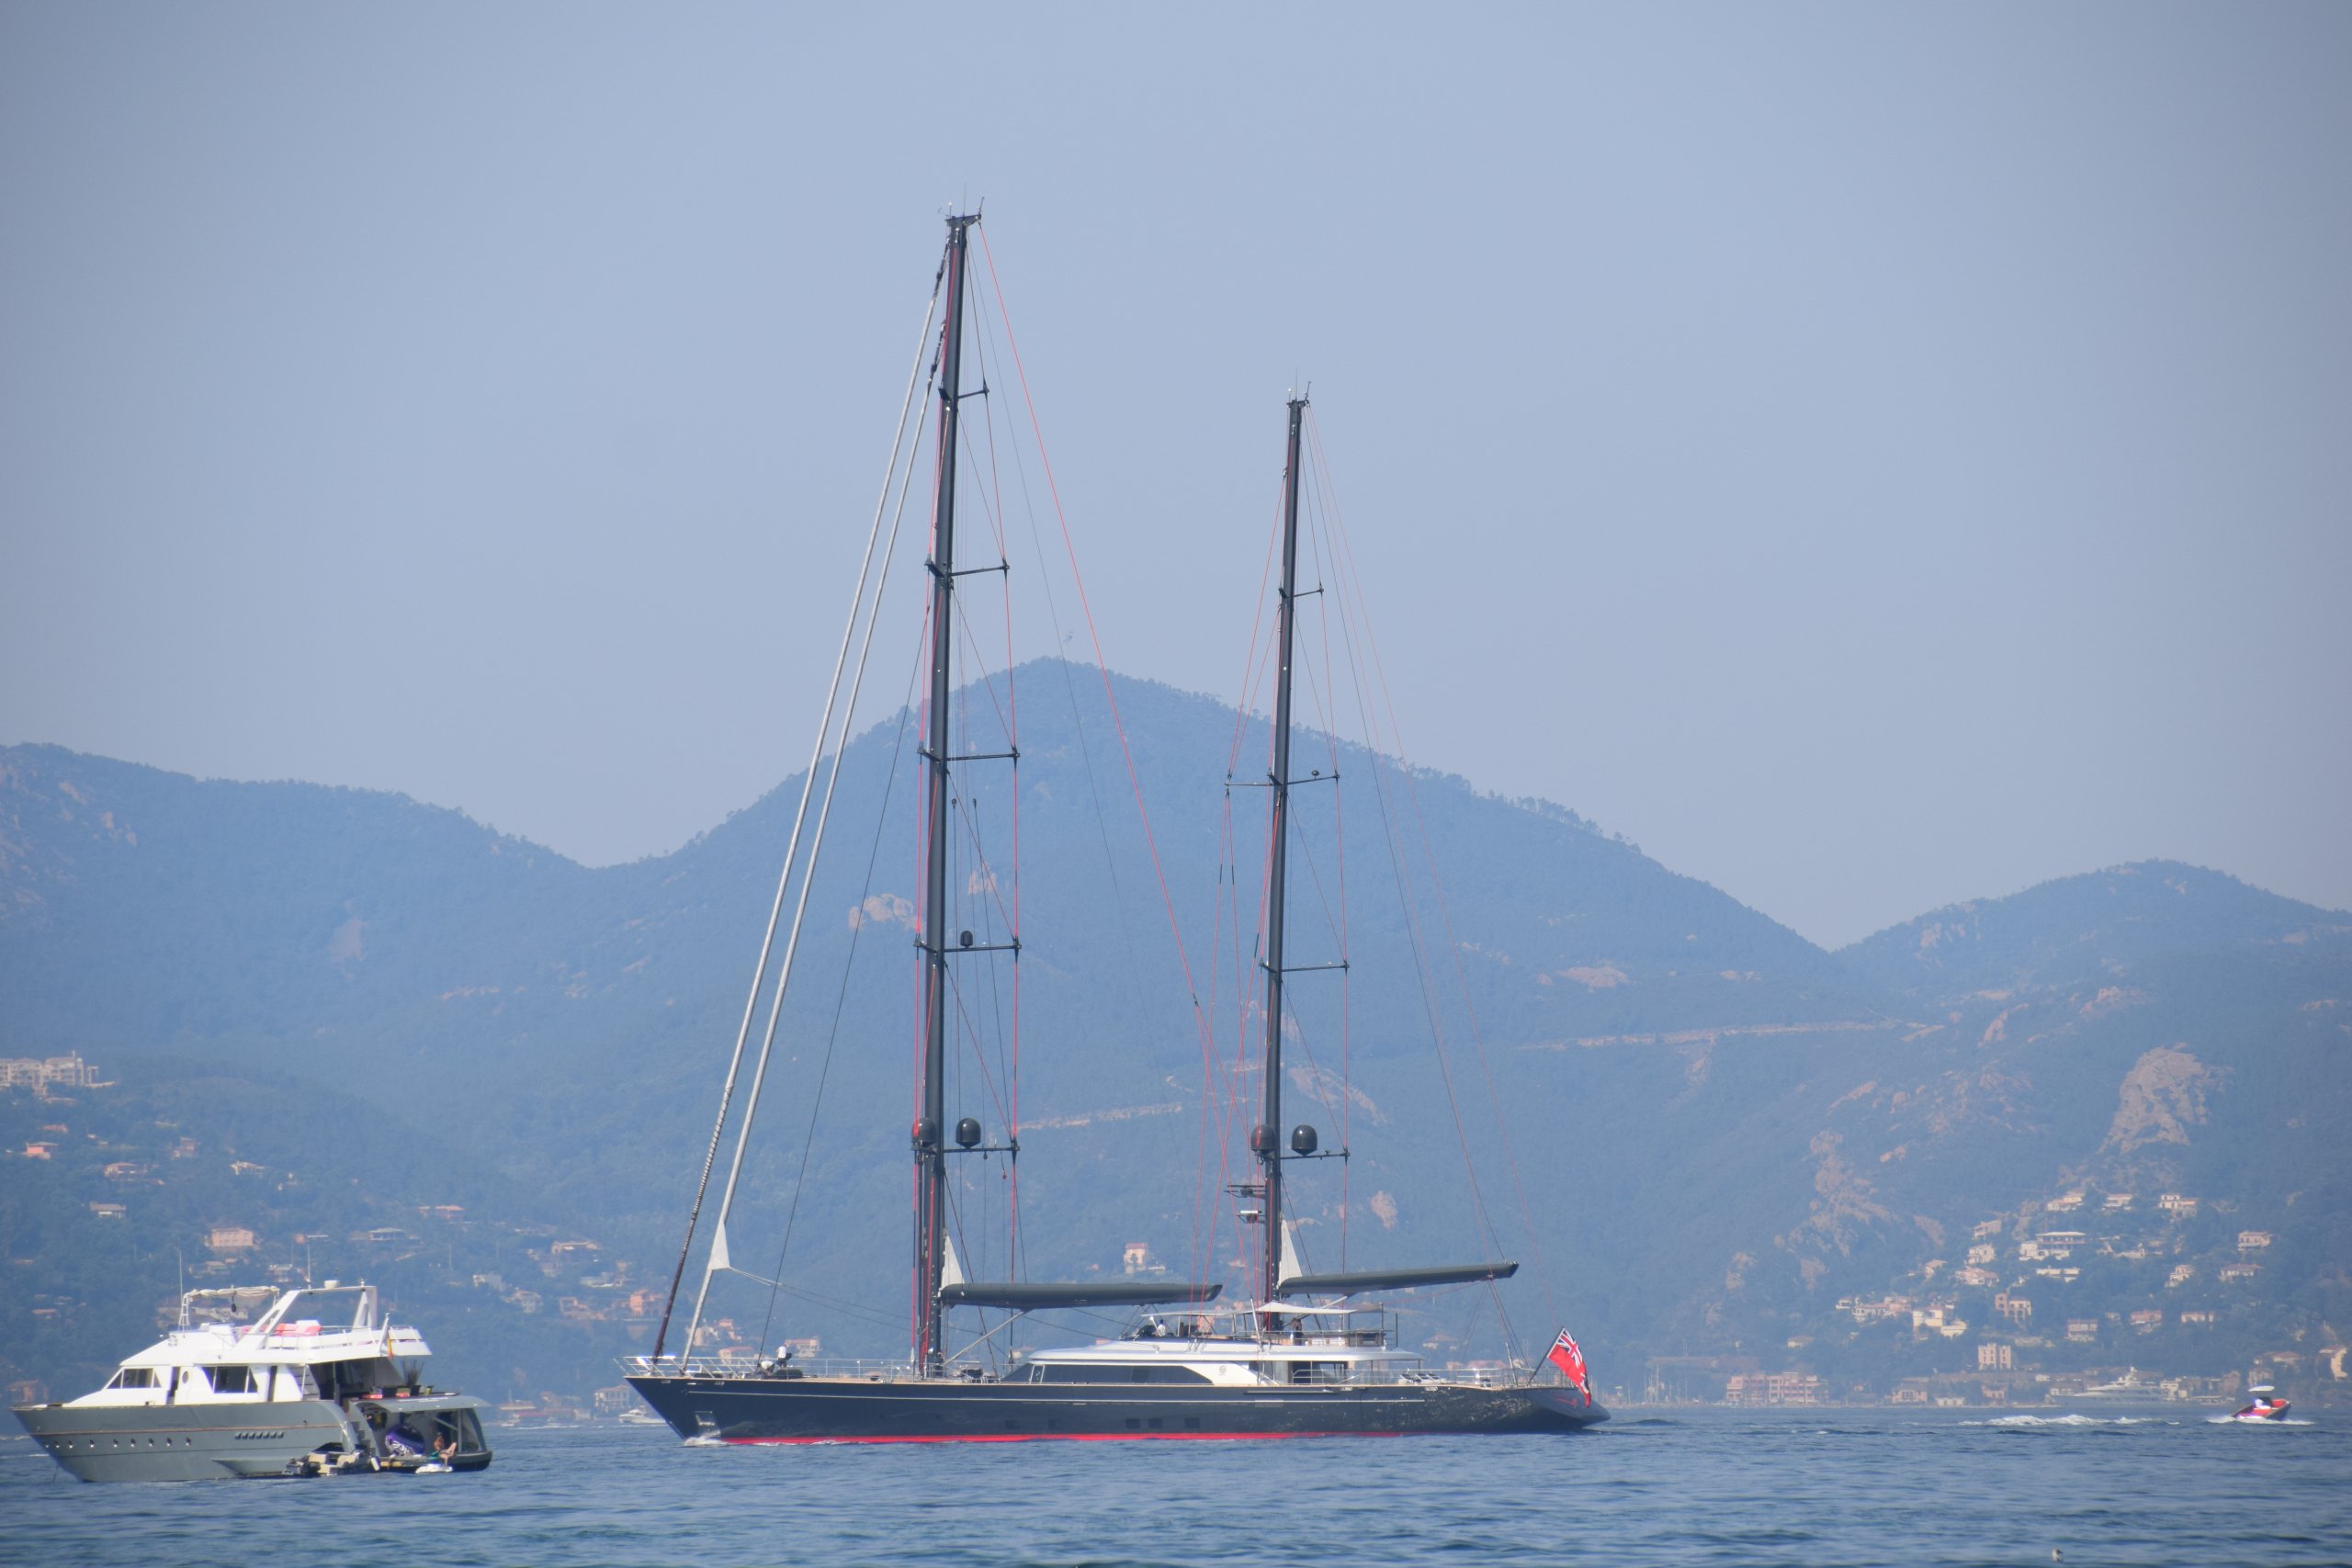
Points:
[(1870, 455)]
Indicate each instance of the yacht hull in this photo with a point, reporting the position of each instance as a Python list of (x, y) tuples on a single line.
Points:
[(859, 1410), (182, 1442), (194, 1442)]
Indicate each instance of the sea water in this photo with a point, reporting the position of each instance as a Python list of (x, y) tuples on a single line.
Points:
[(2164, 1487)]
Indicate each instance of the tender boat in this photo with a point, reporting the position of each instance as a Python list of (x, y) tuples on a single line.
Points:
[(322, 1382), (2266, 1405)]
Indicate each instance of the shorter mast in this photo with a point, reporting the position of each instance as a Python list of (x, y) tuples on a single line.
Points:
[(1266, 1141)]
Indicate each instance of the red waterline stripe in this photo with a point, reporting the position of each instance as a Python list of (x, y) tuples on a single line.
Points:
[(1073, 1437)]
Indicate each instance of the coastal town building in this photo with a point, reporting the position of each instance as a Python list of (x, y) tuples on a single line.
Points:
[(42, 1074), (1773, 1387)]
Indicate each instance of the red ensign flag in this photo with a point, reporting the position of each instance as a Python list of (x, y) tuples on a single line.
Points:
[(1570, 1361)]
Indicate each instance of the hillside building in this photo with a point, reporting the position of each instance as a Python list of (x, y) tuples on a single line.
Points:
[(42, 1074)]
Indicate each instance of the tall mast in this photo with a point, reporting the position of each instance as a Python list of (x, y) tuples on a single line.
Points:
[(931, 1161), (1268, 1138)]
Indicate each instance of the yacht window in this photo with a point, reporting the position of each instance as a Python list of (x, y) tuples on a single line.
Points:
[(134, 1377), (1049, 1372), (231, 1380)]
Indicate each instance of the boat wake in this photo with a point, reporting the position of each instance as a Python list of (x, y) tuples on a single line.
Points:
[(2074, 1420)]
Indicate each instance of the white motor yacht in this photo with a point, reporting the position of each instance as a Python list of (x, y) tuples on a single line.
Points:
[(322, 1382)]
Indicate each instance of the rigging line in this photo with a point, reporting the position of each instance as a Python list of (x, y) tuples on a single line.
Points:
[(996, 528), (808, 876), (1314, 869), (840, 998), (1318, 544), (969, 1034), (1250, 676), (1412, 925), (983, 867), (985, 681), (1094, 790), (1339, 854), (988, 414), (967, 812), (1352, 579), (775, 911), (1191, 989), (847, 1309), (1078, 721), (989, 905), (1477, 1033), (1246, 998)]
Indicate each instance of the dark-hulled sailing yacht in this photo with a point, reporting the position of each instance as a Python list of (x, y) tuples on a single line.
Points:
[(1310, 1357)]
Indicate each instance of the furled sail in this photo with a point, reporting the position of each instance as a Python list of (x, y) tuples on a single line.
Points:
[(1297, 1280), (1391, 1279), (1028, 1297)]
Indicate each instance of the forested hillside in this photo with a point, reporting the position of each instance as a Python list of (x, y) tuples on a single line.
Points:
[(1699, 1132)]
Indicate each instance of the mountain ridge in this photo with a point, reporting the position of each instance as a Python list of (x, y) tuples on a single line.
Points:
[(1745, 1126)]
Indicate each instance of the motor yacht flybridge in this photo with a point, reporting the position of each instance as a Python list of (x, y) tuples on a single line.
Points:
[(321, 1382), (1308, 1357)]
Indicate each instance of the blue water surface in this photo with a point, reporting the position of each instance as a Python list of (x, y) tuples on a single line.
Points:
[(1831, 1487)]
